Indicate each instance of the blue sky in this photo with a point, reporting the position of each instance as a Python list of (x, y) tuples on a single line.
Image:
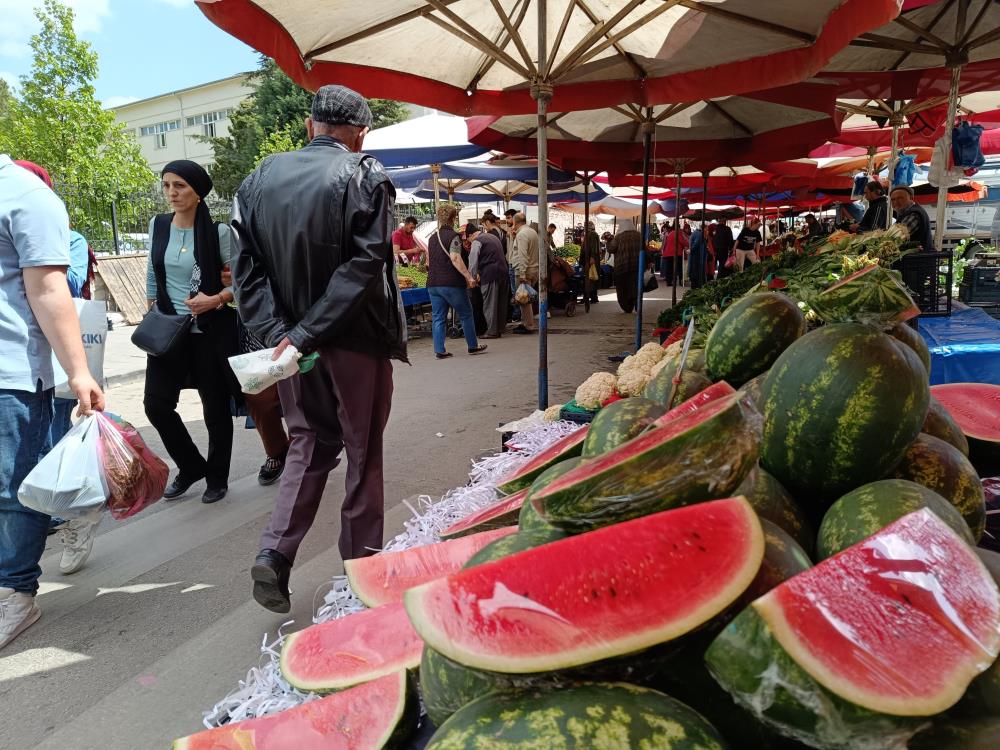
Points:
[(146, 47)]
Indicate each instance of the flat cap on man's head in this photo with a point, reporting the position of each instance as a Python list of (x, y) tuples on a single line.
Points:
[(339, 105)]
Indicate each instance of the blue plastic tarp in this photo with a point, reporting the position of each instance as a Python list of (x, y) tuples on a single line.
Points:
[(965, 347)]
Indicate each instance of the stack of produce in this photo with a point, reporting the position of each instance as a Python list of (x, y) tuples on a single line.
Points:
[(649, 580), (411, 276)]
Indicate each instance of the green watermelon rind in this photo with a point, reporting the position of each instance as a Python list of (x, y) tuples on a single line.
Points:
[(773, 502), (750, 335), (942, 425), (692, 382), (497, 520), (618, 423), (871, 507), (588, 715), (749, 663), (509, 545), (873, 296), (912, 338), (841, 406), (529, 519), (527, 474), (716, 446)]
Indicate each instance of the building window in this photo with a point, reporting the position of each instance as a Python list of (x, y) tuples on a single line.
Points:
[(160, 128), (160, 140), (208, 129), (208, 117)]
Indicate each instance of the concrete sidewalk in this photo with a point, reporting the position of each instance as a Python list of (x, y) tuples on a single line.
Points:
[(124, 362)]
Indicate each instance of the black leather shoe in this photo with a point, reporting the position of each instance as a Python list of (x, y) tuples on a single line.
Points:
[(179, 486), (214, 495), (270, 574)]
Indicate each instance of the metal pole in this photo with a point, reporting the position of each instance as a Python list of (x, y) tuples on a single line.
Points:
[(435, 171), (949, 123), (114, 228), (584, 250), (896, 120), (541, 91), (704, 240), (677, 237), (647, 138)]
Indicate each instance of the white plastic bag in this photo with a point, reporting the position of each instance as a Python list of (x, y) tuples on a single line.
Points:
[(68, 482), (256, 371), (941, 173), (93, 316), (525, 293)]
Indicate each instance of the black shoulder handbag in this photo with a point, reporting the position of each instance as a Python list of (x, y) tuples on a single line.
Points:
[(160, 333)]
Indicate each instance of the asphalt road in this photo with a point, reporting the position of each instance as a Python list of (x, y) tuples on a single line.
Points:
[(160, 625)]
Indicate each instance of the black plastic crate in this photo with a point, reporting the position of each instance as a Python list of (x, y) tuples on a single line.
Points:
[(929, 277)]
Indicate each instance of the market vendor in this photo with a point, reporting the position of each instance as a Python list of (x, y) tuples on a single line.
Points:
[(877, 211), (912, 216), (404, 244)]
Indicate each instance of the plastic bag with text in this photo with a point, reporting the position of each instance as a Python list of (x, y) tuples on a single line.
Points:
[(134, 475), (68, 481), (256, 371)]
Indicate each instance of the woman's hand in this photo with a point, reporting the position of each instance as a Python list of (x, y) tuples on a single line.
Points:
[(227, 275), (202, 303)]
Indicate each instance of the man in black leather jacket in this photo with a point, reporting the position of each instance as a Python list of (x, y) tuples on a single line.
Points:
[(315, 271)]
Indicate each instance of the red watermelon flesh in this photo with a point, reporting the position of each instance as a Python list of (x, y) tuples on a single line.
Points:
[(350, 650), (713, 393), (551, 607), (382, 579), (565, 447), (900, 623), (362, 718), (503, 512), (975, 407)]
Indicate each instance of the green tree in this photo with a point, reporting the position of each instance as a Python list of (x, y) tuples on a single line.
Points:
[(275, 115), (58, 122)]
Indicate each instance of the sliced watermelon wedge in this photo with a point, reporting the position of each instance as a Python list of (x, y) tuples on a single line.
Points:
[(916, 580), (350, 650), (975, 407), (552, 607), (566, 447), (377, 714), (503, 512), (382, 579), (713, 393), (873, 295)]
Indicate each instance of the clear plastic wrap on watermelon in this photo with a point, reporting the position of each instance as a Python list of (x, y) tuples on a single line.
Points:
[(874, 296), (701, 455)]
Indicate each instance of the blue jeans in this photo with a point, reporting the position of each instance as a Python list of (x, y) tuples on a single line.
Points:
[(443, 297), (62, 418), (24, 438)]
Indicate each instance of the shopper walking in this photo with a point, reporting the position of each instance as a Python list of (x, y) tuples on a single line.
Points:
[(187, 254), (523, 259), (674, 250), (327, 287), (625, 246), (723, 240), (37, 316), (448, 280), (488, 266), (748, 244)]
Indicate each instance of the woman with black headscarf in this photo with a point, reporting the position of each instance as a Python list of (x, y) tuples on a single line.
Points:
[(187, 255)]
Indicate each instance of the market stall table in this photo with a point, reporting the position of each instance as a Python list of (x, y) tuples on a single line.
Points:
[(965, 347)]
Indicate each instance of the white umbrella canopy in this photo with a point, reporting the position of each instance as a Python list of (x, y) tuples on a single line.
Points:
[(479, 57), (430, 139)]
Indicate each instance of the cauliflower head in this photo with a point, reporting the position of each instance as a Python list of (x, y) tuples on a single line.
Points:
[(631, 380), (552, 413), (595, 390), (650, 353)]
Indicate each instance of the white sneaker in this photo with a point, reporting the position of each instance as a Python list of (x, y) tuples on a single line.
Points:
[(17, 613), (77, 537)]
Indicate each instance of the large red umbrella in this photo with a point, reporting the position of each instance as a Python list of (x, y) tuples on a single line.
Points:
[(473, 57)]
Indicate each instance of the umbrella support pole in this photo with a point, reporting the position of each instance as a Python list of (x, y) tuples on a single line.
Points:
[(702, 274), (897, 121), (435, 171), (647, 138), (585, 246), (949, 123), (541, 92), (677, 239)]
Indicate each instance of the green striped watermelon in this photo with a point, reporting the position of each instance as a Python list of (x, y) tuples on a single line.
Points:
[(659, 388), (551, 608), (504, 512), (750, 335), (940, 466), (754, 390), (699, 456), (940, 424), (589, 715), (381, 713), (508, 545), (911, 337), (871, 507), (874, 296), (566, 447), (814, 656), (529, 520), (841, 406), (773, 502), (618, 423), (350, 650)]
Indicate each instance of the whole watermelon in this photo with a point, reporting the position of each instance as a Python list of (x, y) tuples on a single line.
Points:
[(750, 335), (872, 507), (692, 382), (940, 466), (841, 405), (773, 502), (912, 338), (619, 422), (941, 424), (754, 387)]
